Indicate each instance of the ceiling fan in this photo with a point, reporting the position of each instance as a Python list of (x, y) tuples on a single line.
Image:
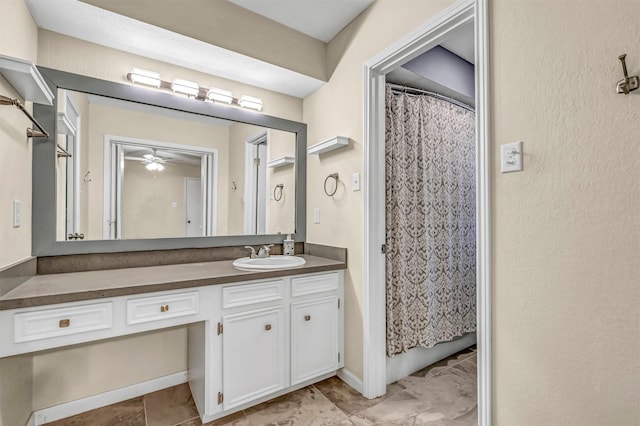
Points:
[(153, 162)]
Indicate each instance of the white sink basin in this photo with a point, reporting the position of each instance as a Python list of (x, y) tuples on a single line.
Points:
[(270, 263)]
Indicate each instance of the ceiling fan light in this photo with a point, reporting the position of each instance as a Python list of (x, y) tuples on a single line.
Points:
[(154, 167), (220, 95), (148, 78), (250, 102), (185, 86)]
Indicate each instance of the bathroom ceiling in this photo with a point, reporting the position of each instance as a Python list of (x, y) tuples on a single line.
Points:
[(322, 19)]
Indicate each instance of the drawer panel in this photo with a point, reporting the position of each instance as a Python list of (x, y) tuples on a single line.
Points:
[(302, 286), (47, 323), (156, 308), (250, 294)]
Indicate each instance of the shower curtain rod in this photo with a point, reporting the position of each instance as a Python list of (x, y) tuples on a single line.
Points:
[(401, 88)]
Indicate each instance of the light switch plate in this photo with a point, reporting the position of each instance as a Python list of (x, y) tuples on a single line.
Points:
[(355, 182), (316, 215), (511, 157), (17, 212)]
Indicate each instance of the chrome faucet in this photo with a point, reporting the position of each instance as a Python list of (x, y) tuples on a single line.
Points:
[(253, 252), (264, 250)]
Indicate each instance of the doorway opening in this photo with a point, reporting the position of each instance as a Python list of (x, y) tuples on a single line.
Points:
[(155, 189), (437, 30)]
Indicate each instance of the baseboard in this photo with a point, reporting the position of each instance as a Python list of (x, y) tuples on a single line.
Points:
[(351, 379), (92, 402)]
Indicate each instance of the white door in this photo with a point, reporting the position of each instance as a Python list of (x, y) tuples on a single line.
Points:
[(253, 355), (193, 208), (314, 338)]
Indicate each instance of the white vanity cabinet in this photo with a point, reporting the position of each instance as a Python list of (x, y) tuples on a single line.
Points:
[(248, 341), (273, 336), (253, 355)]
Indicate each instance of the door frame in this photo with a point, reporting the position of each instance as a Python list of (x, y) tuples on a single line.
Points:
[(209, 177), (253, 204), (408, 47)]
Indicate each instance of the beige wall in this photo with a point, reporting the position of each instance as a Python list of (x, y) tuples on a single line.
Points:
[(18, 39), (81, 57), (281, 214), (566, 231), (148, 198), (231, 27), (336, 109), (75, 372)]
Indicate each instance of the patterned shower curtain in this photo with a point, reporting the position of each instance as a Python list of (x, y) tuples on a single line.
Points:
[(430, 221)]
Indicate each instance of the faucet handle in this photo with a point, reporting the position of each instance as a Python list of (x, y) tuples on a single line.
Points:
[(253, 252), (264, 250)]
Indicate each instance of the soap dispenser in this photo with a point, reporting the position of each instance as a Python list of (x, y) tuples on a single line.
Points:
[(289, 247)]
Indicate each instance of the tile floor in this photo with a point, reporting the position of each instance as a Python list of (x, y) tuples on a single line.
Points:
[(442, 394)]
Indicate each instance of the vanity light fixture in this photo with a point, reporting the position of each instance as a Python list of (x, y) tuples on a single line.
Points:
[(185, 86), (220, 95), (150, 78), (250, 102), (191, 88)]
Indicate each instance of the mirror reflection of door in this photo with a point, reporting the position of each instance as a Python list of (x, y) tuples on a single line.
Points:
[(194, 226), (156, 191), (68, 137), (255, 212)]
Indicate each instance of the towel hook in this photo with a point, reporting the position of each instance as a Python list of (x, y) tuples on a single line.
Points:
[(629, 83), (333, 176)]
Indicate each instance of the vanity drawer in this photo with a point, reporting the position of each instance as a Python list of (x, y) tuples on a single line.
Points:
[(155, 308), (47, 323), (303, 286), (250, 294)]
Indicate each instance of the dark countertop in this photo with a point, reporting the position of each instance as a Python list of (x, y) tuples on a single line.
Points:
[(77, 286)]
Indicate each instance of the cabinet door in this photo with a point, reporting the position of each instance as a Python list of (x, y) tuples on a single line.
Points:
[(314, 338), (253, 355)]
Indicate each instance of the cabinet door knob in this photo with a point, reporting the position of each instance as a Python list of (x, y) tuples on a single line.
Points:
[(164, 308), (307, 317), (267, 327), (63, 323)]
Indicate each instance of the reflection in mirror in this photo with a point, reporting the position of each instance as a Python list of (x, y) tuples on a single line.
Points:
[(140, 172)]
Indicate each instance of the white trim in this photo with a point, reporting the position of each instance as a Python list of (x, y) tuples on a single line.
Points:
[(351, 379), (252, 203), (32, 420), (415, 359), (92, 402), (407, 48)]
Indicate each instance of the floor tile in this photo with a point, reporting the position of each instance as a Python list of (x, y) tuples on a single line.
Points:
[(348, 399), (236, 419), (452, 393), (126, 413), (170, 407), (438, 367), (304, 407)]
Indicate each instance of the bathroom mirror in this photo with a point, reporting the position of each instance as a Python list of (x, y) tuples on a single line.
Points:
[(153, 170)]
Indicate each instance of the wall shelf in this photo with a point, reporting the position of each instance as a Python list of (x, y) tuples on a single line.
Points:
[(26, 79), (328, 145), (281, 162)]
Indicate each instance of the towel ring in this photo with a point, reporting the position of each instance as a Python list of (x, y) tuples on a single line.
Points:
[(277, 195), (333, 176)]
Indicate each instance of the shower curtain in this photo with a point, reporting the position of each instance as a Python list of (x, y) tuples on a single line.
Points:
[(430, 221)]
